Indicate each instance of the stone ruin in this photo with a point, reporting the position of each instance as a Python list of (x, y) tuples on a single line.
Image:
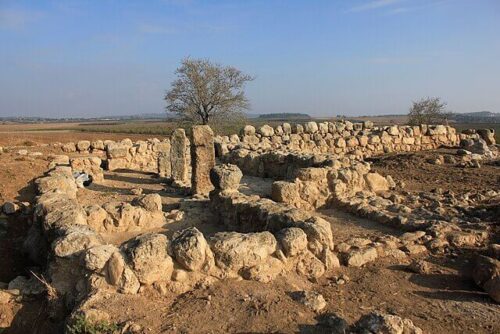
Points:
[(314, 166)]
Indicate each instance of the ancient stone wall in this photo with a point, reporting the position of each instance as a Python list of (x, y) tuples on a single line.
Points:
[(294, 239), (140, 156), (344, 137), (320, 187)]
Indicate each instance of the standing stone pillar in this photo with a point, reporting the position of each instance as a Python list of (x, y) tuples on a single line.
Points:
[(164, 166), (202, 159), (178, 156)]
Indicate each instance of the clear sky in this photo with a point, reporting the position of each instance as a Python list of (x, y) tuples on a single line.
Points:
[(76, 58)]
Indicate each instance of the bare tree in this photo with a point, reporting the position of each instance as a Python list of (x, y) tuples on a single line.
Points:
[(204, 90), (430, 110)]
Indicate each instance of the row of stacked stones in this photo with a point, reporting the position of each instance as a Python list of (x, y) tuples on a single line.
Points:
[(141, 155), (320, 187), (293, 239), (170, 158), (282, 164), (63, 231), (342, 137)]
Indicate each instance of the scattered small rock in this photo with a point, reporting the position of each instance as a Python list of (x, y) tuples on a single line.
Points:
[(310, 299)]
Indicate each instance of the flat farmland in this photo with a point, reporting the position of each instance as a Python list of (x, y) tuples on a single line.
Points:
[(29, 134)]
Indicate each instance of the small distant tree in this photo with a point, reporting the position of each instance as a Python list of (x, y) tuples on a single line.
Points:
[(205, 91), (430, 110)]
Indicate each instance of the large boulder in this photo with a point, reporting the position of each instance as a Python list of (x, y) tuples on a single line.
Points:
[(150, 202), (95, 258), (234, 251), (319, 235), (248, 130), (376, 182), (293, 240), (69, 147), (83, 145), (226, 177), (75, 240), (311, 127), (360, 257), (266, 131), (285, 192), (488, 135), (149, 258), (191, 250), (117, 150), (486, 274)]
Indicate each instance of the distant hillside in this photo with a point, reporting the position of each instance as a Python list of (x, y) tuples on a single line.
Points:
[(284, 116), (35, 119), (476, 117)]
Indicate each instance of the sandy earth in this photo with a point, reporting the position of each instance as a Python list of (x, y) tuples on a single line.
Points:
[(444, 301), (420, 175)]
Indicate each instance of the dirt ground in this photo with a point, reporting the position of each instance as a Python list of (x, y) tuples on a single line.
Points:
[(444, 301), (420, 175)]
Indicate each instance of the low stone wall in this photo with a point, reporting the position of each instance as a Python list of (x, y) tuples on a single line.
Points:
[(66, 238), (293, 239), (345, 137), (279, 164), (140, 156), (320, 187)]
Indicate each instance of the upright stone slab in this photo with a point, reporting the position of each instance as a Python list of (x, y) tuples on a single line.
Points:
[(202, 159), (164, 166), (178, 156)]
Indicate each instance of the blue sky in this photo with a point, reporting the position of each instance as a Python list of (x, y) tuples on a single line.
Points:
[(78, 58)]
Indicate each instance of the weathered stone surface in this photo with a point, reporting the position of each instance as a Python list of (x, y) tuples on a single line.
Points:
[(116, 150), (90, 166), (97, 145), (226, 177), (95, 258), (360, 257), (164, 166), (485, 269), (191, 250), (310, 266), (234, 251), (311, 127), (150, 202), (376, 322), (202, 159), (293, 240), (122, 217), (376, 182), (76, 240), (115, 268), (129, 283), (69, 147), (83, 145), (10, 208), (59, 160), (248, 130), (178, 155), (27, 286), (149, 258), (319, 235), (264, 272), (266, 131), (488, 135), (311, 299), (492, 287), (285, 192)]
